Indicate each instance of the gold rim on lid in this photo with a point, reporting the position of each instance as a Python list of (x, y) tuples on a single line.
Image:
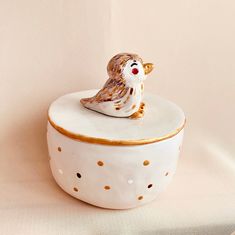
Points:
[(95, 140)]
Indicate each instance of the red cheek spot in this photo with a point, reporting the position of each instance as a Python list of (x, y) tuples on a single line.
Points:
[(135, 71)]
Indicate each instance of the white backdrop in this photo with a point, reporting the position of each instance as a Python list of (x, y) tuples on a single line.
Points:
[(49, 48)]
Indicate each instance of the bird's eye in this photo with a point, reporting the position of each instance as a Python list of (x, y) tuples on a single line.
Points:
[(133, 64)]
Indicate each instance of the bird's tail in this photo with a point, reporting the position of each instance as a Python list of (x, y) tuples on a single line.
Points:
[(84, 101)]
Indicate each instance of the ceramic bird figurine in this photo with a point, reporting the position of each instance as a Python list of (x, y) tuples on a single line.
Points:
[(122, 94)]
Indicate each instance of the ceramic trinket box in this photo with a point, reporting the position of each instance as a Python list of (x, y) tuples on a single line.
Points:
[(114, 147)]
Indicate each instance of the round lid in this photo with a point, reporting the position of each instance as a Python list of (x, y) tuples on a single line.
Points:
[(162, 120)]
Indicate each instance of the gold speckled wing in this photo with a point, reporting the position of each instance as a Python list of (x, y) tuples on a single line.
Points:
[(112, 90)]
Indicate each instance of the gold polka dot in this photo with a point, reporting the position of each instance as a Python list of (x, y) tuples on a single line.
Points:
[(59, 149), (167, 173), (146, 162), (100, 163), (106, 187), (140, 197), (75, 189)]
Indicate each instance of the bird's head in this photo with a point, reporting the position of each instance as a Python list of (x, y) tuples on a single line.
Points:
[(128, 67)]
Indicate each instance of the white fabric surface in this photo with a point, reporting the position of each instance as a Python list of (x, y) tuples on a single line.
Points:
[(50, 48)]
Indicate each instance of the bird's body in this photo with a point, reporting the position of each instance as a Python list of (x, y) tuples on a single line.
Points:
[(122, 94), (124, 105)]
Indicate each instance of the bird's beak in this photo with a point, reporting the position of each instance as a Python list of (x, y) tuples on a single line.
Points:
[(148, 67)]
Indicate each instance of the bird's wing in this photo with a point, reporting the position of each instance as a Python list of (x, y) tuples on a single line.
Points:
[(112, 90)]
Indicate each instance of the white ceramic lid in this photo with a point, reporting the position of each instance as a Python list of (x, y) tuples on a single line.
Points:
[(163, 119)]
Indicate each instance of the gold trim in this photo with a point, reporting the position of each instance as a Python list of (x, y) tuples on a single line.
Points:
[(95, 140)]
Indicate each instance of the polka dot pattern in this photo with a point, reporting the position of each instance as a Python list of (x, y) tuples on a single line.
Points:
[(130, 181), (107, 187), (100, 163), (115, 163), (146, 163)]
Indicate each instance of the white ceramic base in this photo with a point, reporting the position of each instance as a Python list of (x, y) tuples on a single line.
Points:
[(112, 176), (123, 170)]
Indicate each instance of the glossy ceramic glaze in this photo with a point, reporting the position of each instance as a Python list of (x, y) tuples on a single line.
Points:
[(120, 163), (122, 93)]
